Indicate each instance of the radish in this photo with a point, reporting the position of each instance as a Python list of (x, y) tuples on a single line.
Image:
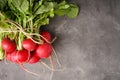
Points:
[(44, 50), (13, 56), (47, 36), (22, 56), (8, 56), (8, 45), (34, 58), (29, 45)]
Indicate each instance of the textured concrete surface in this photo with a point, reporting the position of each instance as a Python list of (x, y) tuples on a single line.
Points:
[(88, 46)]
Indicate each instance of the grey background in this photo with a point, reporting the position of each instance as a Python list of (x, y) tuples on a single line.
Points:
[(88, 46)]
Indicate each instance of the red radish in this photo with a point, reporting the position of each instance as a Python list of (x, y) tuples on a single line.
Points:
[(23, 56), (20, 56), (47, 36), (44, 50), (8, 45), (34, 58), (8, 56), (29, 45), (13, 56)]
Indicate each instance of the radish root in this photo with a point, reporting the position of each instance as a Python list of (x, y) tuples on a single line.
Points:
[(43, 63), (52, 66), (53, 39), (56, 56), (35, 74)]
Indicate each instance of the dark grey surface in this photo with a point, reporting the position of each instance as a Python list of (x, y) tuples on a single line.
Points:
[(88, 46)]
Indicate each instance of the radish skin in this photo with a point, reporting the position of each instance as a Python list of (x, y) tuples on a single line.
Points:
[(13, 56), (29, 45), (34, 58), (22, 56), (46, 36), (44, 50), (8, 45)]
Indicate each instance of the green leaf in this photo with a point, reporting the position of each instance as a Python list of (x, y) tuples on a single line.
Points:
[(47, 6), (37, 5), (24, 6), (64, 8), (63, 5), (51, 13), (19, 5), (16, 3), (74, 10), (61, 12), (45, 21), (41, 19)]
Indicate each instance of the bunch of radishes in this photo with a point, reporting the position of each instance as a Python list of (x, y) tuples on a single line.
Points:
[(31, 52)]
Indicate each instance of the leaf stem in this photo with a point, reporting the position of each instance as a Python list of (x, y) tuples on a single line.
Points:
[(24, 21), (31, 25)]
